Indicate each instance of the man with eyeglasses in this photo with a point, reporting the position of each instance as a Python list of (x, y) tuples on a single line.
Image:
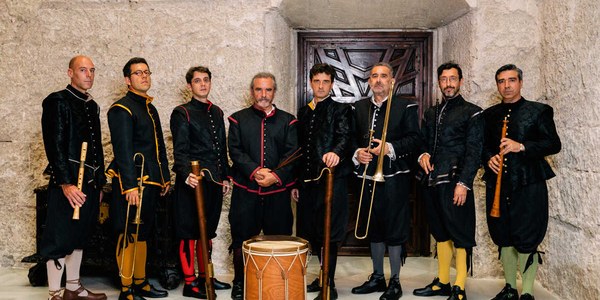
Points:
[(135, 129), (449, 160), (198, 135), (71, 117)]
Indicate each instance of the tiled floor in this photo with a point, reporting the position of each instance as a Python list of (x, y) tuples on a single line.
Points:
[(352, 271)]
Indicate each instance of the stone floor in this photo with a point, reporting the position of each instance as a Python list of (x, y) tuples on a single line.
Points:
[(352, 271)]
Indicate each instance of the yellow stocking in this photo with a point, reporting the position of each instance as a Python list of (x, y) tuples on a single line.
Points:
[(125, 262), (444, 253), (461, 268), (139, 273)]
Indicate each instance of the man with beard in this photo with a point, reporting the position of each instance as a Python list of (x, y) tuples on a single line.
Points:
[(324, 131), (71, 117), (261, 138), (135, 129), (452, 133), (390, 219), (530, 137), (198, 135)]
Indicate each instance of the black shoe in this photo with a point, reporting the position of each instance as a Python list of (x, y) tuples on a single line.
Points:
[(376, 283), (456, 292), (427, 291), (194, 291), (527, 297), (129, 292), (333, 294), (507, 293), (217, 284), (313, 286), (394, 290), (152, 293), (237, 292)]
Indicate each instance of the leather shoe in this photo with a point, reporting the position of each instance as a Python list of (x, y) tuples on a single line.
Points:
[(376, 283), (527, 297), (124, 295), (237, 291), (507, 293), (74, 295), (217, 284), (151, 293), (192, 290), (313, 286), (333, 294), (427, 291), (394, 290), (456, 292)]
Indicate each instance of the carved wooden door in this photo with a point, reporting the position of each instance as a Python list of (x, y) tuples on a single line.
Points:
[(352, 54)]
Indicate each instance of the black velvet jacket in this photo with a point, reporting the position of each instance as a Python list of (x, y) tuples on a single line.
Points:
[(257, 140), (325, 129), (199, 134), (135, 128), (402, 133), (453, 136), (68, 120), (529, 123)]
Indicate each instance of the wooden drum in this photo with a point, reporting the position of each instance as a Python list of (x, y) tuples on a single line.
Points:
[(275, 267)]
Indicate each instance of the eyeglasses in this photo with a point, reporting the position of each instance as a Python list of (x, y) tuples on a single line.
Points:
[(452, 79), (140, 72)]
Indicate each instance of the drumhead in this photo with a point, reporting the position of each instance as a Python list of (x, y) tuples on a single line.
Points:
[(275, 244)]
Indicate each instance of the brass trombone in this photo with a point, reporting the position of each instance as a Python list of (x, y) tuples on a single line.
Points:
[(378, 175), (136, 220)]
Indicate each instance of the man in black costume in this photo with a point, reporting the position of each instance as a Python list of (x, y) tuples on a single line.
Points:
[(453, 137), (324, 133), (71, 117), (530, 137), (135, 129), (390, 219), (261, 139), (198, 135)]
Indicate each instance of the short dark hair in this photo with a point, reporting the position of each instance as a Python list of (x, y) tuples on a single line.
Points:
[(133, 61), (447, 66), (200, 69), (263, 75), (322, 68), (509, 67)]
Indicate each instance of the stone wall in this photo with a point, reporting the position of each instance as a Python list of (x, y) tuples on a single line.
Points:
[(235, 39), (571, 66)]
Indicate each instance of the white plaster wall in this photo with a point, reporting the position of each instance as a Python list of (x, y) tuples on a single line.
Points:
[(234, 38)]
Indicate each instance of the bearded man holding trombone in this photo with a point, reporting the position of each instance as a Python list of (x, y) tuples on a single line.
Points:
[(386, 148)]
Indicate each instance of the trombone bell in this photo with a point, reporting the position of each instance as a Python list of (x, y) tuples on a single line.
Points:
[(378, 177)]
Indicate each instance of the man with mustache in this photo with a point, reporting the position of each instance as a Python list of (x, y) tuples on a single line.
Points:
[(135, 128), (390, 218), (452, 133), (261, 137), (530, 137), (71, 117)]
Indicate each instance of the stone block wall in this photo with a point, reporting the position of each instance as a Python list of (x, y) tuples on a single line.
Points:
[(234, 38)]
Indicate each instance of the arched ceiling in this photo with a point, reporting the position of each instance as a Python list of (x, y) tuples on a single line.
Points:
[(372, 14)]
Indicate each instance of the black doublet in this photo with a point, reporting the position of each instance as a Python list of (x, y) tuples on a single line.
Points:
[(322, 130), (453, 136), (257, 140), (135, 128), (523, 196), (69, 118), (198, 135)]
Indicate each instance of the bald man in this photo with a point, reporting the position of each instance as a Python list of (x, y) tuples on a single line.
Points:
[(69, 118)]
